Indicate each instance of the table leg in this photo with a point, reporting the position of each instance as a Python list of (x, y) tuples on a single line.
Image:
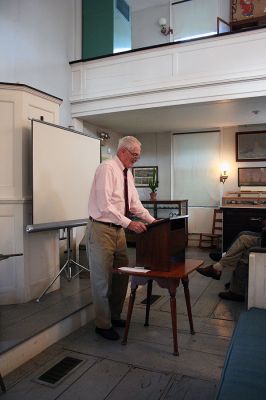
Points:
[(2, 385), (187, 297), (148, 304), (173, 315), (129, 313)]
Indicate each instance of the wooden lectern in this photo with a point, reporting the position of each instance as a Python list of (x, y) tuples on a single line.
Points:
[(162, 244), (161, 250)]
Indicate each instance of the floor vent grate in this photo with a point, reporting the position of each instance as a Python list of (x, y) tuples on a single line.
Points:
[(59, 371), (154, 297)]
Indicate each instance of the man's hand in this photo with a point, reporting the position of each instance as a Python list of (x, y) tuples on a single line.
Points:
[(137, 226)]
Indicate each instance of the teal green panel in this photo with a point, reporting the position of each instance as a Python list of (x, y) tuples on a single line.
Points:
[(97, 28)]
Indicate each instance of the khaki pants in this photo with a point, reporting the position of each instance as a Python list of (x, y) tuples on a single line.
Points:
[(237, 257), (106, 248)]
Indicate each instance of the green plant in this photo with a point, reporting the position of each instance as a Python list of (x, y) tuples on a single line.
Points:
[(153, 182)]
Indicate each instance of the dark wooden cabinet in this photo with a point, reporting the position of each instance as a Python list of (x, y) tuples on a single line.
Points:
[(237, 219)]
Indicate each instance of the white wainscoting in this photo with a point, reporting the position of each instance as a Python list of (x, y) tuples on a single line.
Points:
[(257, 280), (229, 66), (25, 277)]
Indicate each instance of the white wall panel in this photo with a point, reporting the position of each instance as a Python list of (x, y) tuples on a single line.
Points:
[(23, 277), (200, 219), (7, 156), (10, 242), (257, 280), (129, 72), (7, 246)]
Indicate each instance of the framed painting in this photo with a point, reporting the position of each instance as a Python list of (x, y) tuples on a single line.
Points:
[(251, 146), (246, 9), (252, 176), (142, 175)]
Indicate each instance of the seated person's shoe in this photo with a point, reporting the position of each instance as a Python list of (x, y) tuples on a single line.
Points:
[(216, 256), (227, 285), (119, 323), (231, 296), (210, 272), (109, 334)]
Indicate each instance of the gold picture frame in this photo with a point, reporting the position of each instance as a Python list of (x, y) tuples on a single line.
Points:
[(143, 175), (244, 10), (252, 176), (251, 146)]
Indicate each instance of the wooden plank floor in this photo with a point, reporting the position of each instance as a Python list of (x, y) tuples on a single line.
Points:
[(19, 322), (145, 368)]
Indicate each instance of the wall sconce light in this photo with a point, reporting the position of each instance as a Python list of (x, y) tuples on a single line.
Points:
[(164, 29), (224, 172), (104, 136)]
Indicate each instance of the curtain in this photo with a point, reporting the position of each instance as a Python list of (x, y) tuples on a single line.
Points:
[(196, 171)]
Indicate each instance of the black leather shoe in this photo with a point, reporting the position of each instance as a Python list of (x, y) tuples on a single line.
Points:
[(210, 272), (227, 285), (216, 256), (231, 296), (119, 323), (109, 334)]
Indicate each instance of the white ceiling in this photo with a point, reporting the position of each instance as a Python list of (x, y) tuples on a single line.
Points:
[(248, 111)]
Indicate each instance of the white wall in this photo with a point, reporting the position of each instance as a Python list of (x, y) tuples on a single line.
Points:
[(37, 40), (195, 18), (156, 151), (145, 26), (184, 19)]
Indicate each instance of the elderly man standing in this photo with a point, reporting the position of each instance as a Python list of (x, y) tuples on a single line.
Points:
[(113, 199)]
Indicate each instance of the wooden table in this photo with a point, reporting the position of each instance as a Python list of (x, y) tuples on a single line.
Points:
[(166, 279)]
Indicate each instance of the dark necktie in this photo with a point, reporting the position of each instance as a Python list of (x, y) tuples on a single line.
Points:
[(126, 193)]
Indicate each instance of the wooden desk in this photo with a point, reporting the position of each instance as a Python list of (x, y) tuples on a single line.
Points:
[(169, 280)]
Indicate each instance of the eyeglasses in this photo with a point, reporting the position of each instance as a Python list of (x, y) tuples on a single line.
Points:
[(135, 155)]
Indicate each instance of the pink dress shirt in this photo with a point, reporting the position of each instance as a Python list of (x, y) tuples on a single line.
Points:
[(106, 201)]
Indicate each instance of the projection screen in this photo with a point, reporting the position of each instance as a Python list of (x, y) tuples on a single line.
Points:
[(64, 163)]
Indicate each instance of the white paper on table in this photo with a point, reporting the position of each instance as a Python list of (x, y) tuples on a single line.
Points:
[(136, 269)]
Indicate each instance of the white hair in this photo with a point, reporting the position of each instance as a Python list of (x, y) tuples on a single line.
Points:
[(129, 142)]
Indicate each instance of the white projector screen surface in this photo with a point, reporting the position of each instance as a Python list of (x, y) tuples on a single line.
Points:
[(64, 163)]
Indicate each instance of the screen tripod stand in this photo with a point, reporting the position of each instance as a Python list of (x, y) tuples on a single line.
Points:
[(68, 266)]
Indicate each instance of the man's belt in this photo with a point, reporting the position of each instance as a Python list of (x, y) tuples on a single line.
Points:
[(106, 223)]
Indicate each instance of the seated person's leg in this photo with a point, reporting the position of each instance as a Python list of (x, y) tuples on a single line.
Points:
[(238, 284), (238, 251)]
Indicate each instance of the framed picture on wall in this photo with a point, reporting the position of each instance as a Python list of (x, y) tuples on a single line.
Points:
[(242, 10), (252, 176), (251, 146), (142, 175)]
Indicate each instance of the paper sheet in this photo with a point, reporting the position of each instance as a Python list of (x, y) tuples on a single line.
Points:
[(136, 269)]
